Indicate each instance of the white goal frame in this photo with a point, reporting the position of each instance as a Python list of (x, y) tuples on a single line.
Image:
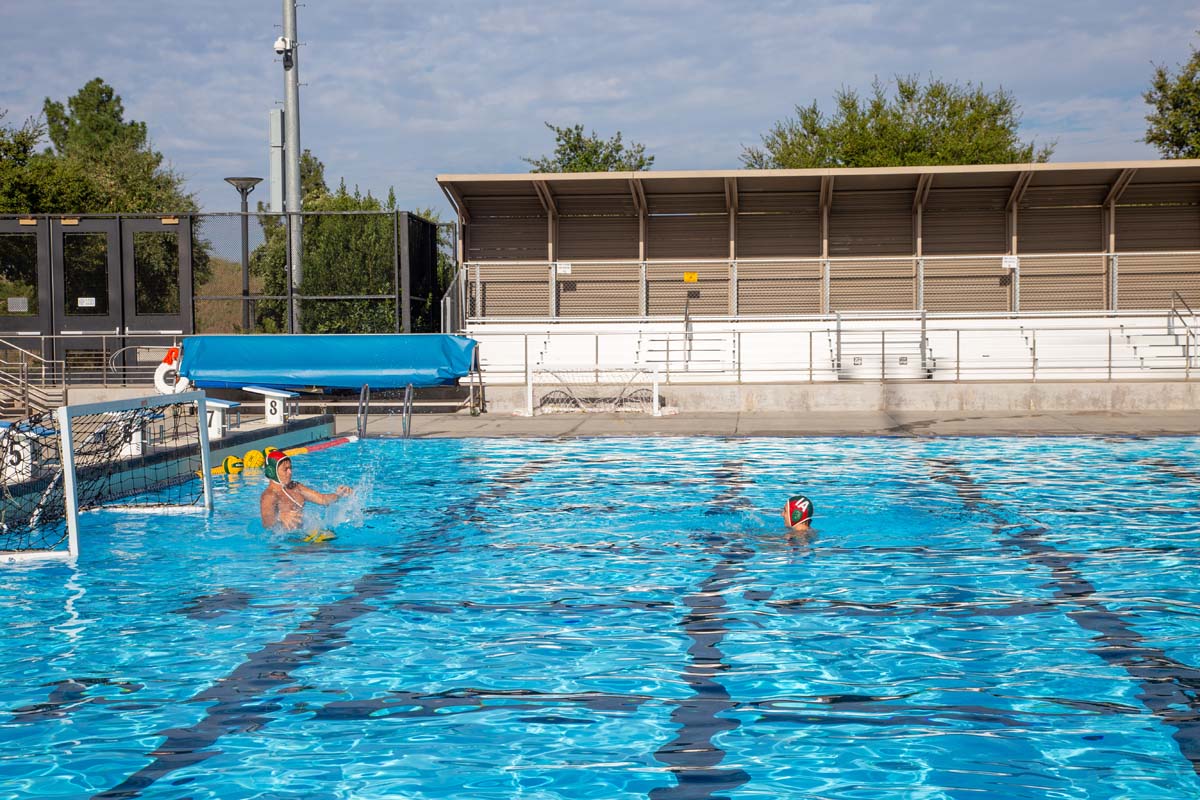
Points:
[(648, 374), (67, 414)]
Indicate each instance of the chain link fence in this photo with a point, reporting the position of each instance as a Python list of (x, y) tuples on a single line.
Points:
[(359, 272), (1076, 282)]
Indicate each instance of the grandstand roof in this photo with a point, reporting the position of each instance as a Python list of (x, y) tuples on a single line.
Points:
[(1113, 176)]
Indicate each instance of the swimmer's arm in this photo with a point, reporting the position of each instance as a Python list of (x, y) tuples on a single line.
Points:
[(268, 507), (322, 498)]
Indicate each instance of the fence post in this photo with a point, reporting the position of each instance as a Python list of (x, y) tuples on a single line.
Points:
[(737, 353), (882, 356), (668, 356), (1033, 351), (657, 411), (810, 356), (837, 366), (957, 355), (923, 343), (293, 307), (528, 379), (247, 322), (825, 299), (553, 289), (1115, 285), (478, 291), (402, 269), (921, 285), (733, 289), (1109, 330), (643, 292)]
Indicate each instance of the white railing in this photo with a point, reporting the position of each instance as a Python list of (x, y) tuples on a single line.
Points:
[(1018, 348)]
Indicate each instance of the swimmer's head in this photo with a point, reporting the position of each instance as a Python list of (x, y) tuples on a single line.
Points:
[(798, 511), (274, 459)]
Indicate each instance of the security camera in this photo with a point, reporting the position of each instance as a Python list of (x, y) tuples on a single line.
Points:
[(282, 45)]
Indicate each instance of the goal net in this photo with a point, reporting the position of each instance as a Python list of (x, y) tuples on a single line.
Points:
[(146, 454), (594, 389)]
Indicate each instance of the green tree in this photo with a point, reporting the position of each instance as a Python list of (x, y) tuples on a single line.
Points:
[(91, 133), (575, 151), (36, 182), (918, 124), (1174, 121), (312, 177), (342, 254)]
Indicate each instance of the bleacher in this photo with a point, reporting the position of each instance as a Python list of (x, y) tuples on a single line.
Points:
[(847, 348)]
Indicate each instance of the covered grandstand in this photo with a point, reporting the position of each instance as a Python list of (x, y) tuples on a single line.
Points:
[(807, 275)]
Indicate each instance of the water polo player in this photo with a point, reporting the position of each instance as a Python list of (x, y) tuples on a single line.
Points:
[(282, 502), (798, 512)]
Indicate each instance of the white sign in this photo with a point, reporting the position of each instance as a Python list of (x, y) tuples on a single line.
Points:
[(18, 305), (1011, 263), (87, 302), (563, 268)]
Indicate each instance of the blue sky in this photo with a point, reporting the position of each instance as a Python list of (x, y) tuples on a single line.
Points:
[(395, 93)]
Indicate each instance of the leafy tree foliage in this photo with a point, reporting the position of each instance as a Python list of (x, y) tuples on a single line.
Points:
[(918, 124), (99, 162), (128, 176), (312, 176), (575, 151), (342, 254), (1174, 120), (37, 182)]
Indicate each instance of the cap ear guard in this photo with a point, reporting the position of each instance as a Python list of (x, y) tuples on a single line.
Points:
[(271, 467)]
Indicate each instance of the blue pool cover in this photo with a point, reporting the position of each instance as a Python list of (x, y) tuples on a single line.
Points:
[(333, 361)]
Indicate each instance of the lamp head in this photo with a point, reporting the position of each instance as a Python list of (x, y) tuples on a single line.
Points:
[(244, 185)]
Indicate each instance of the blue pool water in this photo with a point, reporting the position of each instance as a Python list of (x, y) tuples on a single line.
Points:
[(974, 618)]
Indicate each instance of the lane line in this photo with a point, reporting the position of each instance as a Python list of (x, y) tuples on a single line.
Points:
[(236, 699), (692, 756), (1170, 689)]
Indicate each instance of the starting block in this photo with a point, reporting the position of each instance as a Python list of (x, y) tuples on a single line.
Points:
[(23, 456), (277, 403), (218, 414)]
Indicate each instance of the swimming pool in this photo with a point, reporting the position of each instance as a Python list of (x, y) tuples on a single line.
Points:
[(621, 618)]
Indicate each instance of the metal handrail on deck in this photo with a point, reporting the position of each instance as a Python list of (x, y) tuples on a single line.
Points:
[(1048, 351)]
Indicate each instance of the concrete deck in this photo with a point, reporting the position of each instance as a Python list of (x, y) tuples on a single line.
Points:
[(812, 423)]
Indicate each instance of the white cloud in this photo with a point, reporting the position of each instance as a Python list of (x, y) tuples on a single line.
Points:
[(397, 93)]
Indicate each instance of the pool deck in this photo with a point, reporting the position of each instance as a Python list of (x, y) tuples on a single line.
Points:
[(825, 423)]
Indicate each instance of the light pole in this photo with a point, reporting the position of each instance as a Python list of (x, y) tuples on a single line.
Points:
[(244, 187), (288, 46)]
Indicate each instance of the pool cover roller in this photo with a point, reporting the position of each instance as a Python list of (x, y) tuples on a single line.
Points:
[(330, 361)]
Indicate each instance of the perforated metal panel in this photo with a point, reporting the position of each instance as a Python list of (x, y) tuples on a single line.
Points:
[(600, 290), (791, 288), (967, 285), (1075, 283), (885, 285), (510, 290), (667, 293), (1146, 281)]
